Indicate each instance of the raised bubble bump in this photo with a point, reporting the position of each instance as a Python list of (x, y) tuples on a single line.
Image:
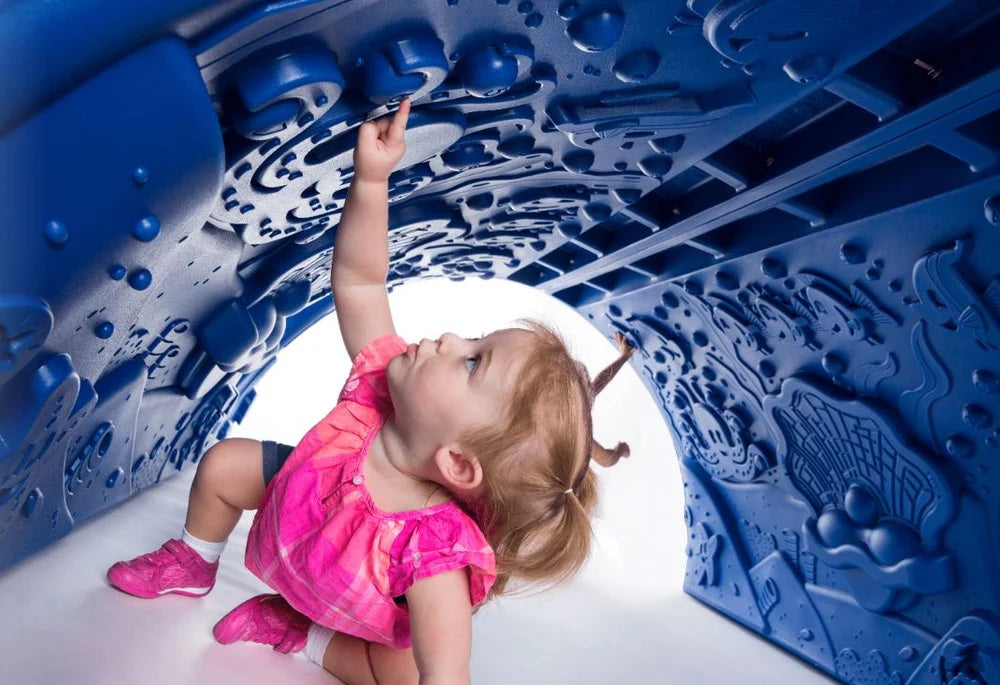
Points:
[(596, 31), (518, 146), (578, 161), (596, 211), (569, 9), (860, 505), (667, 145), (991, 210), (833, 364), (570, 228), (835, 528), (773, 268), (637, 66), (626, 195), (891, 541), (655, 167), (56, 233), (851, 253), (986, 381), (147, 228), (976, 416), (31, 503), (810, 69), (140, 279), (113, 477), (465, 156), (958, 446)]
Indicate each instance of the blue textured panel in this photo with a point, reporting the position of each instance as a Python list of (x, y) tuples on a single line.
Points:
[(790, 207)]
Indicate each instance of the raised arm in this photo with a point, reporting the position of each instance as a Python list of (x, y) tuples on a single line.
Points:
[(361, 251), (441, 627)]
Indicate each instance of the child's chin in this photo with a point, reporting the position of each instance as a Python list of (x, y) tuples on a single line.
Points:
[(392, 371)]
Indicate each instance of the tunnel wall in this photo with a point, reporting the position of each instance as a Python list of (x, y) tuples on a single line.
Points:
[(790, 207)]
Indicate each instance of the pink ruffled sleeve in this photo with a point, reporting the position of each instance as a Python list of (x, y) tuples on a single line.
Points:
[(445, 541), (366, 383)]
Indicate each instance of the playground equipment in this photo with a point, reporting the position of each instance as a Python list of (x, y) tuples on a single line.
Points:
[(791, 207)]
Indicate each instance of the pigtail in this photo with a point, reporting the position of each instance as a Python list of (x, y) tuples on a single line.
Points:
[(608, 458), (602, 455), (625, 352)]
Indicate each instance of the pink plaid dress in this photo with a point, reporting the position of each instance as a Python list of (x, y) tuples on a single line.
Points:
[(319, 540)]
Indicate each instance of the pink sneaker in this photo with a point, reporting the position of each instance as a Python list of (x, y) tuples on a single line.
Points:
[(175, 567), (267, 619)]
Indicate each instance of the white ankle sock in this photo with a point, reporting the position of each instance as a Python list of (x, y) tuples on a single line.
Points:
[(316, 643), (209, 551)]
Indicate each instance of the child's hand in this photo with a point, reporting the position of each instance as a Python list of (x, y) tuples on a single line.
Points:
[(381, 145)]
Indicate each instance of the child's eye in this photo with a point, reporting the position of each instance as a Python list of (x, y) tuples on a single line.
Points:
[(471, 363)]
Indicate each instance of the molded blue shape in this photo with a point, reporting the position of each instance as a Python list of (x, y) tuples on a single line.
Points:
[(147, 228), (56, 233), (966, 653), (790, 208), (25, 323), (413, 65), (491, 69), (597, 30), (273, 87), (637, 66), (105, 330), (140, 279)]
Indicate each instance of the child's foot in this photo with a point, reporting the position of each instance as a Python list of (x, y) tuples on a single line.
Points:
[(174, 568), (267, 619)]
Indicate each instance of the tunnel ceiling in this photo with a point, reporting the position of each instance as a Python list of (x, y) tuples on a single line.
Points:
[(790, 207)]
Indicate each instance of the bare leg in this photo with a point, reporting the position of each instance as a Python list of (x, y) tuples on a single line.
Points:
[(229, 481), (393, 666), (357, 662)]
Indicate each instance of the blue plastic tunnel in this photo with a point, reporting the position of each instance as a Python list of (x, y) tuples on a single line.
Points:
[(792, 208)]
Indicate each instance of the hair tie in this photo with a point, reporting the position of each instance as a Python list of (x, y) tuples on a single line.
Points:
[(568, 491)]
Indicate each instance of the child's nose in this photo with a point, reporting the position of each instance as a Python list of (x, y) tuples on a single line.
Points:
[(450, 341)]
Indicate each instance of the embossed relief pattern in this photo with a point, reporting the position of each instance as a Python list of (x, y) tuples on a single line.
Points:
[(826, 410), (791, 208)]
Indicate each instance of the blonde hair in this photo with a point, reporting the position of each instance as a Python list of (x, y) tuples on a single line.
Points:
[(538, 490)]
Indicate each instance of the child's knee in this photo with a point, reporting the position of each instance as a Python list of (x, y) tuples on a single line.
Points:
[(230, 460)]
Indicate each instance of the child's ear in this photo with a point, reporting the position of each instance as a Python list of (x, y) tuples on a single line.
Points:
[(459, 471)]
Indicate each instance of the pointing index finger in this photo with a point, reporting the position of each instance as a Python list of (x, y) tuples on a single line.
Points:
[(398, 124)]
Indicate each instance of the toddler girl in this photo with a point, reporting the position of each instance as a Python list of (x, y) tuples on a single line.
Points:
[(447, 469)]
